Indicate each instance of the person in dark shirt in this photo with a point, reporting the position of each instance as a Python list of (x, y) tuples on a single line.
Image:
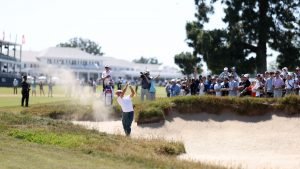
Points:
[(225, 87), (25, 91), (145, 84), (194, 86), (244, 86), (119, 84), (207, 84)]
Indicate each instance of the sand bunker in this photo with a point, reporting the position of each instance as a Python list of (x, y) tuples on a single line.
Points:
[(268, 141)]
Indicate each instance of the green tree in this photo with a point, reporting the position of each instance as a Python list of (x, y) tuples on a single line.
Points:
[(187, 62), (143, 60), (289, 52), (251, 26), (217, 50), (83, 44)]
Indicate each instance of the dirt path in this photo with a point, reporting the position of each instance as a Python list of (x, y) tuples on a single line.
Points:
[(268, 141)]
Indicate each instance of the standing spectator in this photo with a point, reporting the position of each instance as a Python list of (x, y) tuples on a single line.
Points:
[(269, 84), (244, 86), (15, 86), (41, 88), (175, 89), (257, 88), (225, 87), (290, 84), (184, 90), (127, 108), (33, 86), (233, 86), (284, 73), (207, 84), (201, 86), (50, 86), (119, 84), (194, 86), (224, 74), (94, 86), (25, 91), (278, 85), (217, 87), (235, 75), (168, 88), (152, 89), (145, 83), (106, 76), (212, 86)]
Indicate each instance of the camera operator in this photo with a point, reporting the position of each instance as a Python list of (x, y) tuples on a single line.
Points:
[(145, 83)]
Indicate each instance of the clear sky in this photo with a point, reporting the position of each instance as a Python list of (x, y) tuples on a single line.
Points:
[(125, 29)]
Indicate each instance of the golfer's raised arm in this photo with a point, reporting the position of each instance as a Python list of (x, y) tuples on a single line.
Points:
[(132, 91), (124, 90)]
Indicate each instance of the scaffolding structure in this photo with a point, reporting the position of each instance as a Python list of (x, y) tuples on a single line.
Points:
[(10, 62)]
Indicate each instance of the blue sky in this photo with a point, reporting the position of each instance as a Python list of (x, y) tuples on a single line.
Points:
[(125, 29)]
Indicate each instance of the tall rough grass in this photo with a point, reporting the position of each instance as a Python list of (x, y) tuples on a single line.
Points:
[(247, 106), (155, 153)]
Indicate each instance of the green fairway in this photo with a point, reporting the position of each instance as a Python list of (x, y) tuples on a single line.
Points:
[(8, 99)]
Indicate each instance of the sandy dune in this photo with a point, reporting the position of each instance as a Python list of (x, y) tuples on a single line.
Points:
[(268, 141)]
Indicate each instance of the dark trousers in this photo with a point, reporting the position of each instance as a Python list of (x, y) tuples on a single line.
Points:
[(15, 90), (127, 118), (25, 97)]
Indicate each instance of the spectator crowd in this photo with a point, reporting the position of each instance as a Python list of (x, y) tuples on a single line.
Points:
[(275, 84)]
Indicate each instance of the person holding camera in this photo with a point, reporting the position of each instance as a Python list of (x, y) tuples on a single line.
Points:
[(145, 84)]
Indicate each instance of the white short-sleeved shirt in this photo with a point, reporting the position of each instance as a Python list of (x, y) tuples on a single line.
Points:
[(104, 74), (217, 88), (201, 89), (125, 103), (290, 84)]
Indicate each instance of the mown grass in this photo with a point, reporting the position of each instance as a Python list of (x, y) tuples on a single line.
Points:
[(64, 136), (31, 138), (33, 126)]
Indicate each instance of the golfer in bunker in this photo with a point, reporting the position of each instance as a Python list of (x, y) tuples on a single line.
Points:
[(127, 108)]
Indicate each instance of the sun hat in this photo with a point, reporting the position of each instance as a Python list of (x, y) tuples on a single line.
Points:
[(119, 91)]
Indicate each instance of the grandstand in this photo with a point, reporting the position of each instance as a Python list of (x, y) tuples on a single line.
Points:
[(10, 62)]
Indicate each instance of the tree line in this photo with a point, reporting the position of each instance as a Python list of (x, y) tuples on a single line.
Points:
[(253, 27)]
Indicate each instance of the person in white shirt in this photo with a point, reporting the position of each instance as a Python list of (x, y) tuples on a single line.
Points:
[(106, 76), (201, 87), (233, 86), (235, 75), (278, 85), (15, 85), (218, 86), (224, 74), (290, 84), (257, 88), (127, 108)]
